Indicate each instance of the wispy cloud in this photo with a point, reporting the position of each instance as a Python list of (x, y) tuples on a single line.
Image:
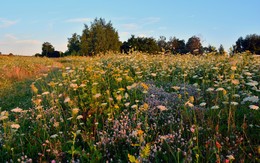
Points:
[(11, 39), (20, 46), (78, 20), (150, 20), (130, 26), (140, 24), (4, 23)]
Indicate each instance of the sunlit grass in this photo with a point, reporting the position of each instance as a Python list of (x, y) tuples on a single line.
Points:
[(139, 108)]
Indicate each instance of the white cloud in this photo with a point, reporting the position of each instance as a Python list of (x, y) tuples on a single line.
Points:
[(150, 20), (79, 20), (130, 26), (4, 23), (15, 45)]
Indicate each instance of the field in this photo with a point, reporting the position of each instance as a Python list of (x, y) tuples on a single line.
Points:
[(130, 108)]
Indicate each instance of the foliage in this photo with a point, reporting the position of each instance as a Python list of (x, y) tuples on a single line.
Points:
[(250, 43), (101, 37), (47, 49), (176, 45), (141, 44), (221, 50), (193, 45), (73, 45)]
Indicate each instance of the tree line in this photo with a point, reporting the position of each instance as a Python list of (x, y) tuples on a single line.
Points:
[(101, 37)]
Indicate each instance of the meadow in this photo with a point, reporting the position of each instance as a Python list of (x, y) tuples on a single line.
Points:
[(130, 108)]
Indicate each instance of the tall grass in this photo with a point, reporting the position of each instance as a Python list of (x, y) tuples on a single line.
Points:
[(139, 108)]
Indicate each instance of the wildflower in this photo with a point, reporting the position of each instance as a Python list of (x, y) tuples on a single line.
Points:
[(253, 107), (203, 104), (97, 95), (248, 74), (34, 89), (252, 83), (210, 89), (218, 145), (191, 99), (234, 103), (3, 118), (79, 117), (75, 111), (104, 104), (121, 89), (67, 99), (134, 106), (119, 80), (17, 110), (45, 93), (220, 89), (189, 104), (39, 116), (153, 74), (56, 124), (119, 97), (127, 104), (230, 157), (94, 84), (15, 126), (176, 88), (140, 132), (236, 95), (73, 86), (54, 136), (144, 86), (162, 108), (233, 68), (126, 95), (215, 107), (250, 99), (192, 129), (82, 85)]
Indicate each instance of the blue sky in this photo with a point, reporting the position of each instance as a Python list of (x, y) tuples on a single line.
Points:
[(26, 24)]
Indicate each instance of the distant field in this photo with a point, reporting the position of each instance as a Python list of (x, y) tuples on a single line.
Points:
[(130, 108)]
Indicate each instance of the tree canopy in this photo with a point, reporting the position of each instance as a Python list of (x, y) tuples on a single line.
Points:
[(100, 37), (250, 43)]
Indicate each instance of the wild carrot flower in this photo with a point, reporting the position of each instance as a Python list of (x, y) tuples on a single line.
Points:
[(17, 110), (215, 107), (15, 126), (253, 107), (162, 108)]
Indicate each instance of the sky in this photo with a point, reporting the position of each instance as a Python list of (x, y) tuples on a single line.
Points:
[(26, 24)]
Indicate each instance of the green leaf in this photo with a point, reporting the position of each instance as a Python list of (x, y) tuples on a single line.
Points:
[(146, 151)]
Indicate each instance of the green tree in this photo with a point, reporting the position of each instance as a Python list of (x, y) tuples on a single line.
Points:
[(194, 46), (176, 45), (84, 41), (102, 37), (210, 49), (143, 44), (162, 43), (73, 45), (221, 50), (47, 49), (250, 42)]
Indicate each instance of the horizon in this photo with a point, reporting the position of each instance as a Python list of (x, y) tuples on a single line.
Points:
[(26, 25)]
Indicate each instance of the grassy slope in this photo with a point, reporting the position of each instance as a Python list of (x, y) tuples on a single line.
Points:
[(16, 75)]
